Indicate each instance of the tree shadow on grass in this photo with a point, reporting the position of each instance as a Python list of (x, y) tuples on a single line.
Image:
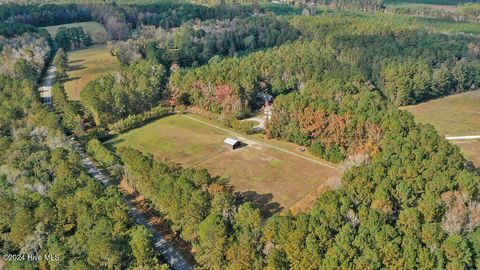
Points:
[(265, 202), (76, 67), (472, 167), (70, 79), (76, 61)]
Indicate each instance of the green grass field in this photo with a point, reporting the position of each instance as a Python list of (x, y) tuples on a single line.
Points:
[(86, 65), (273, 178), (455, 115), (96, 31)]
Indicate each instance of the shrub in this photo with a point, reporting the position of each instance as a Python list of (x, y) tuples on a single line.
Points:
[(100, 153), (242, 126)]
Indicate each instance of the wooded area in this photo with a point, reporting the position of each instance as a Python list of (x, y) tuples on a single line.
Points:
[(406, 200)]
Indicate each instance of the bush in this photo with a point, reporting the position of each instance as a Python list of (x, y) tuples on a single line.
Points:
[(101, 154), (136, 120), (241, 126)]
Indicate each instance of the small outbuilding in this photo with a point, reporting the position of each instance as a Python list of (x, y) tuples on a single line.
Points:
[(232, 144)]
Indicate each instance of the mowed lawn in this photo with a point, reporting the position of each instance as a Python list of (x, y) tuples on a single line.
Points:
[(455, 115), (273, 178), (96, 31), (86, 65)]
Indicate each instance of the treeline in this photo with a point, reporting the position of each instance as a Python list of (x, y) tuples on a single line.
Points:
[(231, 86), (44, 14), (96, 149), (408, 65), (137, 120), (68, 111), (464, 11), (224, 233), (12, 29), (197, 44), (134, 90)]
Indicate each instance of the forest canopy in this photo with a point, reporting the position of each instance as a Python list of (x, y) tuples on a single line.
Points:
[(406, 198)]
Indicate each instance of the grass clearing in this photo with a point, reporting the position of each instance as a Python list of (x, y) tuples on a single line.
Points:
[(471, 150), (96, 31), (86, 65), (455, 115), (273, 178)]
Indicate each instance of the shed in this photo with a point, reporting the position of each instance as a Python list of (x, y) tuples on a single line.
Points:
[(265, 97), (232, 144)]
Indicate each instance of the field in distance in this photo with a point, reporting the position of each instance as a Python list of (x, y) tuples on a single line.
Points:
[(96, 31), (86, 65), (274, 178), (455, 115)]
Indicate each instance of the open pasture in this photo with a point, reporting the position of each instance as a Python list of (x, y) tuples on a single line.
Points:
[(86, 65), (455, 115), (271, 175)]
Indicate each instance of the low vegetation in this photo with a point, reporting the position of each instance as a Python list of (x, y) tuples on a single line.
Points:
[(87, 65)]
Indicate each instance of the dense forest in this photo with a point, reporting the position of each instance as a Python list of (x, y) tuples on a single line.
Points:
[(406, 199), (137, 88), (49, 205), (195, 44)]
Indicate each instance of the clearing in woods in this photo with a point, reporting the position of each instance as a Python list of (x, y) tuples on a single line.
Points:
[(96, 31), (276, 179), (86, 65), (455, 115)]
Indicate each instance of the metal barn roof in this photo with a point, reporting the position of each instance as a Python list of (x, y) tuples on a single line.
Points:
[(230, 141)]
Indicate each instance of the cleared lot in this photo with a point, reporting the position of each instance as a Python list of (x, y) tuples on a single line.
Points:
[(455, 115), (275, 179), (86, 65)]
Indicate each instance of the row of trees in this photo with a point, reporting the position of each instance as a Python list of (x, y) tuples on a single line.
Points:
[(136, 120), (224, 234), (61, 63)]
